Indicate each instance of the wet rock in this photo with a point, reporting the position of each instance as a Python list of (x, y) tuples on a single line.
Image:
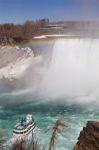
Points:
[(89, 137)]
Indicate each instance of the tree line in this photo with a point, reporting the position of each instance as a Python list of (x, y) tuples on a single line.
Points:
[(12, 33)]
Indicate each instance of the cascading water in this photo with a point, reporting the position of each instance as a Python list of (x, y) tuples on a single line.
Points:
[(73, 75), (74, 70)]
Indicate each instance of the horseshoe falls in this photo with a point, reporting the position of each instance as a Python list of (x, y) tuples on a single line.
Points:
[(67, 88)]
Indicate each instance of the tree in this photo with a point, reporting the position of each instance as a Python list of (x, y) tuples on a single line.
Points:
[(56, 129)]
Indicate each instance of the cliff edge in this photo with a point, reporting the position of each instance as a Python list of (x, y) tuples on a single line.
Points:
[(14, 61), (89, 137)]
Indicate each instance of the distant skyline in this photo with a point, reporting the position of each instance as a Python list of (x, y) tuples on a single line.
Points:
[(17, 11)]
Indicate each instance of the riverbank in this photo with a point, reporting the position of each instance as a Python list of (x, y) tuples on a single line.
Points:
[(14, 61)]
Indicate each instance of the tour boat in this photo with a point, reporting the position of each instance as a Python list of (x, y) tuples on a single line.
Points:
[(24, 127)]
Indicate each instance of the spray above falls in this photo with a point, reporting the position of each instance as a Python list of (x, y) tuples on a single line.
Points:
[(73, 70)]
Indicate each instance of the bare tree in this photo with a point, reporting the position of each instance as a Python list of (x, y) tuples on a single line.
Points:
[(56, 129), (17, 33)]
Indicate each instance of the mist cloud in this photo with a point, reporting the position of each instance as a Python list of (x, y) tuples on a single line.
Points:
[(73, 71)]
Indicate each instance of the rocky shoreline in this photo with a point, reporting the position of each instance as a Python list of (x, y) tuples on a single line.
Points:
[(14, 61), (89, 137)]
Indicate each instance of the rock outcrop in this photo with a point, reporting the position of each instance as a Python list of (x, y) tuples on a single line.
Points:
[(14, 61), (89, 137)]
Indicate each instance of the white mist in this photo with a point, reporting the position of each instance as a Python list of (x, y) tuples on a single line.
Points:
[(73, 71)]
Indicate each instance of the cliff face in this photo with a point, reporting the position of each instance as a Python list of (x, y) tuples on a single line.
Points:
[(14, 61), (89, 137)]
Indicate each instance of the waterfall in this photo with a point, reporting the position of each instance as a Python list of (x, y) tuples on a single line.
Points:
[(74, 69)]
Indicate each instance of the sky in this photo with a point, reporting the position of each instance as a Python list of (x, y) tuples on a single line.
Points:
[(17, 11)]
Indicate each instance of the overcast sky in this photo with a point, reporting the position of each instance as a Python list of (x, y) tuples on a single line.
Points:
[(20, 10)]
